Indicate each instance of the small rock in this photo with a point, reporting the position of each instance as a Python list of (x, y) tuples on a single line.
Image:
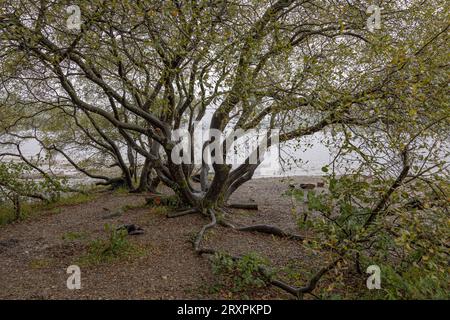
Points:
[(132, 229), (8, 244)]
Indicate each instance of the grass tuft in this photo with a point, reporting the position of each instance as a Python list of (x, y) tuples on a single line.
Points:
[(115, 248), (30, 210)]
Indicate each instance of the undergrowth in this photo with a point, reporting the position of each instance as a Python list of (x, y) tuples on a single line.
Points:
[(115, 247)]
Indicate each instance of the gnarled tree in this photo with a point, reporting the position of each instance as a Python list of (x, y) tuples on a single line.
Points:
[(148, 68)]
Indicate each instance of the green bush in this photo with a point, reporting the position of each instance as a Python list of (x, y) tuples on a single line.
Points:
[(408, 239), (241, 274), (416, 282)]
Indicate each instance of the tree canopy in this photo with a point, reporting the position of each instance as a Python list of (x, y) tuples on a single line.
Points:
[(118, 87)]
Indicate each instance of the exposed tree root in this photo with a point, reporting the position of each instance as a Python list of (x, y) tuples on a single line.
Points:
[(270, 230), (263, 228), (298, 292), (200, 235), (206, 251), (245, 206), (181, 213)]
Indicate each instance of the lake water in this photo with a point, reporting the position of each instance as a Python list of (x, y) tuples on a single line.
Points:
[(312, 160)]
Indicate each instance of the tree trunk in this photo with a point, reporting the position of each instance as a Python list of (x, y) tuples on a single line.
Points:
[(17, 207), (144, 178)]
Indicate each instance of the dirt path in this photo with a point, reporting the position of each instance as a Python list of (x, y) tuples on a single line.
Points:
[(34, 254)]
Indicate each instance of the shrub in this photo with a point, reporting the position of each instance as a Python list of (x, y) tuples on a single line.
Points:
[(239, 275), (115, 247), (408, 239)]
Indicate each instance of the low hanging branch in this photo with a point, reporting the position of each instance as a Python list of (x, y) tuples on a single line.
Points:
[(385, 199)]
